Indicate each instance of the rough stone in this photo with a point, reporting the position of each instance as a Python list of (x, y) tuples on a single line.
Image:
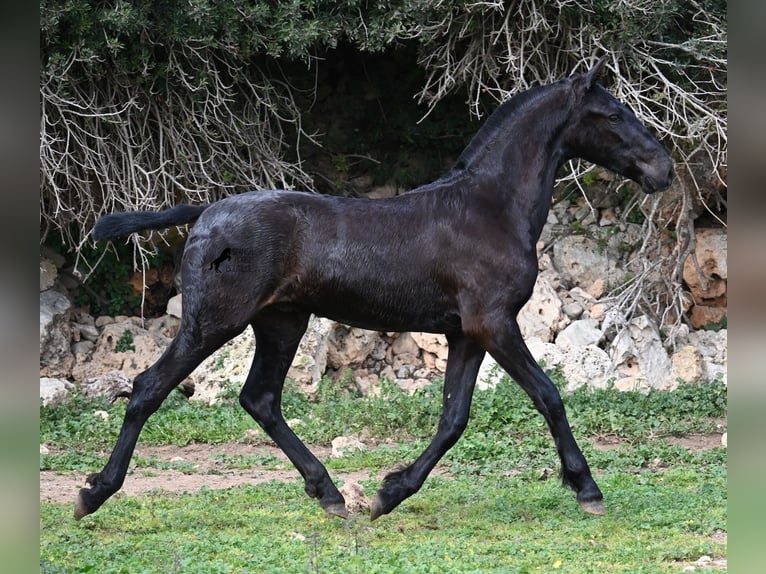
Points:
[(713, 351), (639, 358), (310, 362), (357, 501), (147, 348), (432, 343), (542, 313), (701, 316), (87, 332), (348, 347), (711, 254), (56, 359), (579, 334), (54, 391), (573, 310), (110, 385), (343, 445), (405, 344), (48, 274), (174, 306), (687, 365), (228, 365), (581, 261)]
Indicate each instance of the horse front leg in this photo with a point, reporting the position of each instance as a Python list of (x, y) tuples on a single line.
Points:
[(509, 350), (463, 364), (277, 340)]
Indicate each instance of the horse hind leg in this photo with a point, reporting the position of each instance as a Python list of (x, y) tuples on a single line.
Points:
[(277, 336), (463, 363), (150, 388)]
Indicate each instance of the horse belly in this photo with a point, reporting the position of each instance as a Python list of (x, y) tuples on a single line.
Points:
[(385, 307)]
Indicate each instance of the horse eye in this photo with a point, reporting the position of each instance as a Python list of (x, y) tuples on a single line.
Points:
[(614, 118)]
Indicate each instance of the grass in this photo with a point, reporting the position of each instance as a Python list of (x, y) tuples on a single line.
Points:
[(492, 512)]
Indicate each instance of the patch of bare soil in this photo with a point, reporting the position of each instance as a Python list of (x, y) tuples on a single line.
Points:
[(206, 469), (206, 466), (689, 442)]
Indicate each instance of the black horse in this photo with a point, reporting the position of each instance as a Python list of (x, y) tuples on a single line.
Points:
[(456, 256)]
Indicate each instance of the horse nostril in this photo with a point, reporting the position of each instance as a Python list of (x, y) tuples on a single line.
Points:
[(671, 174)]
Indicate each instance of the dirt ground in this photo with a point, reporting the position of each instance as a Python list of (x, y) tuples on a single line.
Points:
[(211, 473)]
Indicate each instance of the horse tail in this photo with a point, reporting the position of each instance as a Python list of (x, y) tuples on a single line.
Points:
[(121, 224)]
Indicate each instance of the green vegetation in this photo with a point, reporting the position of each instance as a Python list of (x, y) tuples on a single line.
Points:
[(125, 342), (145, 104), (493, 511)]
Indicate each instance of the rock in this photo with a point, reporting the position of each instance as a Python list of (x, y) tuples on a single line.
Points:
[(82, 350), (608, 217), (711, 254), (110, 385), (405, 344), (579, 334), (410, 385), (356, 500), (701, 316), (165, 325), (229, 365), (87, 332), (44, 449), (712, 349), (56, 359), (597, 288), (542, 313), (103, 415), (54, 391), (639, 358), (435, 344), (725, 439), (348, 347), (367, 383), (598, 311), (174, 306), (581, 261), (686, 365), (343, 445), (573, 310), (310, 362), (586, 365), (48, 274), (144, 349)]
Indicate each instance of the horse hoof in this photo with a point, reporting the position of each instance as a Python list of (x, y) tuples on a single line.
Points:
[(337, 509), (377, 509), (593, 507), (80, 509)]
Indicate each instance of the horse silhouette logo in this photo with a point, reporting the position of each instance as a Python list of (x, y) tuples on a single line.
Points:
[(224, 256)]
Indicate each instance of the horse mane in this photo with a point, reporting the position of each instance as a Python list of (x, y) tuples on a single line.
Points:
[(496, 125), (496, 122)]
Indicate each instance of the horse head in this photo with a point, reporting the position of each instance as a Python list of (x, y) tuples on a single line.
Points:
[(606, 132)]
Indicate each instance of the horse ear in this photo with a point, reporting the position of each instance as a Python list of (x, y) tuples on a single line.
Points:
[(595, 72), (584, 82)]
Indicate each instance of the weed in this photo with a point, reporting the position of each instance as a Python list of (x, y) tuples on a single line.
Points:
[(125, 342)]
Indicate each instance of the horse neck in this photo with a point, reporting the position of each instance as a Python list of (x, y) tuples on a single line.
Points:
[(517, 167)]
